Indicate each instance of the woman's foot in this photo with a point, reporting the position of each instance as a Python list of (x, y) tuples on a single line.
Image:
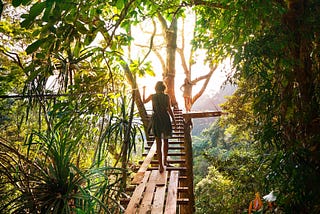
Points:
[(161, 168)]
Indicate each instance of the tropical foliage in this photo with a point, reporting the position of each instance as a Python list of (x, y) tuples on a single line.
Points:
[(67, 112), (234, 170), (69, 91), (274, 45)]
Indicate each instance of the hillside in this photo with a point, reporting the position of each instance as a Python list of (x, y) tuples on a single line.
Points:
[(210, 103)]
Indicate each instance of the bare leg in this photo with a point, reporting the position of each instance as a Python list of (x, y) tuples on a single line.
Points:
[(186, 103), (159, 154), (165, 150)]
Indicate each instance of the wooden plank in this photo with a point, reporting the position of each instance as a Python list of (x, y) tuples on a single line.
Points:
[(176, 142), (170, 161), (143, 168), (189, 208), (176, 154), (137, 195), (171, 202), (173, 154), (170, 168), (159, 198), (178, 137), (183, 189), (176, 147), (203, 114), (161, 178), (182, 201), (145, 206), (171, 147)]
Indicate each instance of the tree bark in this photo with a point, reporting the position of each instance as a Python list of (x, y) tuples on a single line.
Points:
[(137, 97), (170, 35)]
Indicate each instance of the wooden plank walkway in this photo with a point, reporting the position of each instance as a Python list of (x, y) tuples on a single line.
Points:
[(155, 192), (143, 168), (171, 204)]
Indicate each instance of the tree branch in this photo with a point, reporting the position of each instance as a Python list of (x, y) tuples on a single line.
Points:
[(163, 64), (208, 4), (16, 59), (207, 77), (180, 51), (151, 41), (163, 23), (122, 16)]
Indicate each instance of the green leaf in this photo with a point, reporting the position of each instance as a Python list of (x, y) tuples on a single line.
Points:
[(79, 211), (16, 3), (47, 12), (36, 9), (34, 46), (81, 28), (77, 49), (120, 4), (89, 38), (25, 2), (26, 23), (40, 55)]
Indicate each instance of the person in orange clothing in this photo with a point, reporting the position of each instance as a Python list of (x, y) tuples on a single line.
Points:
[(256, 204)]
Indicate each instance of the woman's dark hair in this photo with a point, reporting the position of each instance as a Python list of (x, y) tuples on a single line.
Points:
[(160, 86)]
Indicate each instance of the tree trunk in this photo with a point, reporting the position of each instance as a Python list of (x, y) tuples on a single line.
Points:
[(303, 74), (302, 130), (171, 48), (137, 97)]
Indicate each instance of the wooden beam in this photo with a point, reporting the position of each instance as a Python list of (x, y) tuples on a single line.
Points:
[(172, 196), (203, 114), (189, 208), (170, 161), (137, 195), (145, 206), (170, 168), (159, 197), (140, 174)]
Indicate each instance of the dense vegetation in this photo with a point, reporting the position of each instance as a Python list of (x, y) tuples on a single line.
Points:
[(68, 118)]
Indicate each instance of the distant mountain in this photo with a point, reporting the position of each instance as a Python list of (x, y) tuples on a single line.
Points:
[(209, 102)]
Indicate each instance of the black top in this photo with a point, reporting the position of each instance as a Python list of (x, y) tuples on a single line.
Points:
[(161, 118)]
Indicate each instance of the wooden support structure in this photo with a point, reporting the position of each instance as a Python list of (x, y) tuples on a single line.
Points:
[(169, 192), (189, 154), (191, 115)]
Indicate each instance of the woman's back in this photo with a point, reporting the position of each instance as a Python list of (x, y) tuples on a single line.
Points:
[(160, 103), (161, 118)]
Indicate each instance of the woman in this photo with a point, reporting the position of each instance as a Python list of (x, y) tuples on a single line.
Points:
[(186, 88), (161, 123)]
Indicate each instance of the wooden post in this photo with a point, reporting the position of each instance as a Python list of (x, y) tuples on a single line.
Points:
[(189, 164), (189, 154)]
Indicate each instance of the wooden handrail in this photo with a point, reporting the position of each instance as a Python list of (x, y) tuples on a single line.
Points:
[(190, 115), (140, 174)]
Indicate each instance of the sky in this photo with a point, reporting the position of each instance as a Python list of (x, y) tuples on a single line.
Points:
[(216, 81), (142, 34)]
